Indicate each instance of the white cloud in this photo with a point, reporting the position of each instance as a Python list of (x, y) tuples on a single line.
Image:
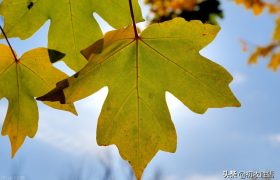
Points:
[(73, 134), (172, 102), (239, 78), (274, 139), (95, 101), (78, 144)]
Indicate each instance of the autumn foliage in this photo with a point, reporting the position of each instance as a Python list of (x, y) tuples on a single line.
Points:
[(138, 67), (272, 50)]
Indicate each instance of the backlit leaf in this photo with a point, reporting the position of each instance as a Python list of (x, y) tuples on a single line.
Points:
[(32, 76), (138, 73)]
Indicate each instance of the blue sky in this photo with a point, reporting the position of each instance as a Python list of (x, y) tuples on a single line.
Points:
[(243, 139)]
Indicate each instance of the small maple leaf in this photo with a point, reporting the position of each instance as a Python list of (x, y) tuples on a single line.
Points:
[(138, 71), (20, 81)]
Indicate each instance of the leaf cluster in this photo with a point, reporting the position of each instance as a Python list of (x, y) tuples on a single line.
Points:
[(272, 50), (138, 67)]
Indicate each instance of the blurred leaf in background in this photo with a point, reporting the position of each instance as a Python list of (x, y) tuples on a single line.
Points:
[(272, 49), (204, 10), (208, 10)]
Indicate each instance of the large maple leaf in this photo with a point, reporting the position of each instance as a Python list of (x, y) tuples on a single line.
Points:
[(72, 26), (20, 81), (138, 71)]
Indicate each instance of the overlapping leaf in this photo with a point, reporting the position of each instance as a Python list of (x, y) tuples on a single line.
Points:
[(72, 27), (138, 72), (32, 76)]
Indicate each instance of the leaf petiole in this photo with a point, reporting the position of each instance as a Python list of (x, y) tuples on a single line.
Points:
[(14, 54), (133, 19)]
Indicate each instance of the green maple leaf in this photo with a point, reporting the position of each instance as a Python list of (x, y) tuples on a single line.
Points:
[(72, 26), (138, 71), (20, 81)]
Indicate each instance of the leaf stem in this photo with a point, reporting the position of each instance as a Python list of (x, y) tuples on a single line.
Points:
[(133, 19), (14, 54)]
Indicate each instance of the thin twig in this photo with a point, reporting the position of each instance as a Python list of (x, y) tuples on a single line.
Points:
[(133, 19), (14, 54)]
